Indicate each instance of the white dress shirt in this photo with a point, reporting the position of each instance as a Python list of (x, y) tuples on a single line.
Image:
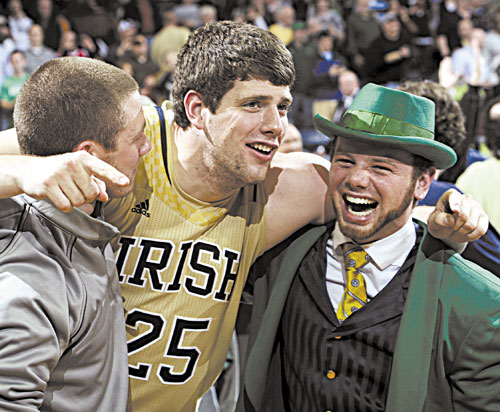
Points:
[(386, 258)]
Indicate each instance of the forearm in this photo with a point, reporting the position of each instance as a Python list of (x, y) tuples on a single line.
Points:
[(11, 168), (8, 142)]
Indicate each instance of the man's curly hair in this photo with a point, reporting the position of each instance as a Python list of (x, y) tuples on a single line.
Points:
[(449, 124)]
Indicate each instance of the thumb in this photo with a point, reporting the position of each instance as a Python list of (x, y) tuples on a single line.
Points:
[(449, 202), (440, 220)]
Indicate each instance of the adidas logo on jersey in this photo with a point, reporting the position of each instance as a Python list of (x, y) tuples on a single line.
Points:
[(142, 208)]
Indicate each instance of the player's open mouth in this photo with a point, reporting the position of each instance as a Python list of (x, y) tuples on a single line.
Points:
[(261, 148), (360, 206)]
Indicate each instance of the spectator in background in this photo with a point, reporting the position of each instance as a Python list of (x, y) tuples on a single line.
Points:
[(465, 28), (446, 76), (11, 87), (69, 46), (169, 39), (7, 46), (273, 6), (482, 179), (471, 75), (448, 39), (51, 21), (263, 17), (19, 24), (140, 60), (146, 13), (127, 29), (425, 61), (37, 53), (285, 17), (361, 30), (469, 61), (304, 52), (491, 47), (313, 27), (254, 16), (188, 13), (329, 19), (407, 24), (159, 88), (479, 14), (348, 89), (328, 64), (208, 14), (389, 54)]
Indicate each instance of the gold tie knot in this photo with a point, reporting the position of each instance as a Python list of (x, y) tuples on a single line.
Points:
[(354, 256)]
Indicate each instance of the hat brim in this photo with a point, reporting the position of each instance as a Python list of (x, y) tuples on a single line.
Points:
[(441, 156)]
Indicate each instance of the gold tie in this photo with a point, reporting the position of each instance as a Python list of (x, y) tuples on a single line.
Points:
[(354, 296)]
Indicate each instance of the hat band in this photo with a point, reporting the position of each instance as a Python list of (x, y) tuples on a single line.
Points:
[(379, 124)]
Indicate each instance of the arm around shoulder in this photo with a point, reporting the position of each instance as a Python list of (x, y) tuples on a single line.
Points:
[(298, 194), (67, 180)]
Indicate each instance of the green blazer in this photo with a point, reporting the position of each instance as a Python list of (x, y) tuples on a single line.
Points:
[(447, 355)]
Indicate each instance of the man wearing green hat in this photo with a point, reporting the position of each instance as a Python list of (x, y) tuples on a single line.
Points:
[(369, 313)]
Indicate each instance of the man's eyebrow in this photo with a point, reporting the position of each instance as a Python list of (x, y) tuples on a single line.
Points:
[(256, 97), (383, 159), (263, 97)]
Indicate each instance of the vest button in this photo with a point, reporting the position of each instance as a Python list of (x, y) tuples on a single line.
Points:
[(331, 375)]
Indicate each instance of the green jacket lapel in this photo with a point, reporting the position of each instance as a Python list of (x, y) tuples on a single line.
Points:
[(412, 356)]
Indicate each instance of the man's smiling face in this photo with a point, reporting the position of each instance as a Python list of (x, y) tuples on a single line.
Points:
[(373, 189), (246, 130)]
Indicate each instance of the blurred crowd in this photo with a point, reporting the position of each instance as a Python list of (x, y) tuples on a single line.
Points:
[(337, 47)]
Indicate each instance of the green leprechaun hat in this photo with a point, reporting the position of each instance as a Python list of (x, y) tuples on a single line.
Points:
[(401, 120)]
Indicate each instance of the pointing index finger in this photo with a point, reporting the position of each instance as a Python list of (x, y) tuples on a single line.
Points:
[(104, 171)]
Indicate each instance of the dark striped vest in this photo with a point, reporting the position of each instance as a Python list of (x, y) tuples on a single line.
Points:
[(331, 367)]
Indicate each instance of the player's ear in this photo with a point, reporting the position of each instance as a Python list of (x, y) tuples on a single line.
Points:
[(91, 147), (193, 105)]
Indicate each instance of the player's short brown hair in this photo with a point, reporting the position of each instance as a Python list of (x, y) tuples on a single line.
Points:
[(69, 100), (217, 54)]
